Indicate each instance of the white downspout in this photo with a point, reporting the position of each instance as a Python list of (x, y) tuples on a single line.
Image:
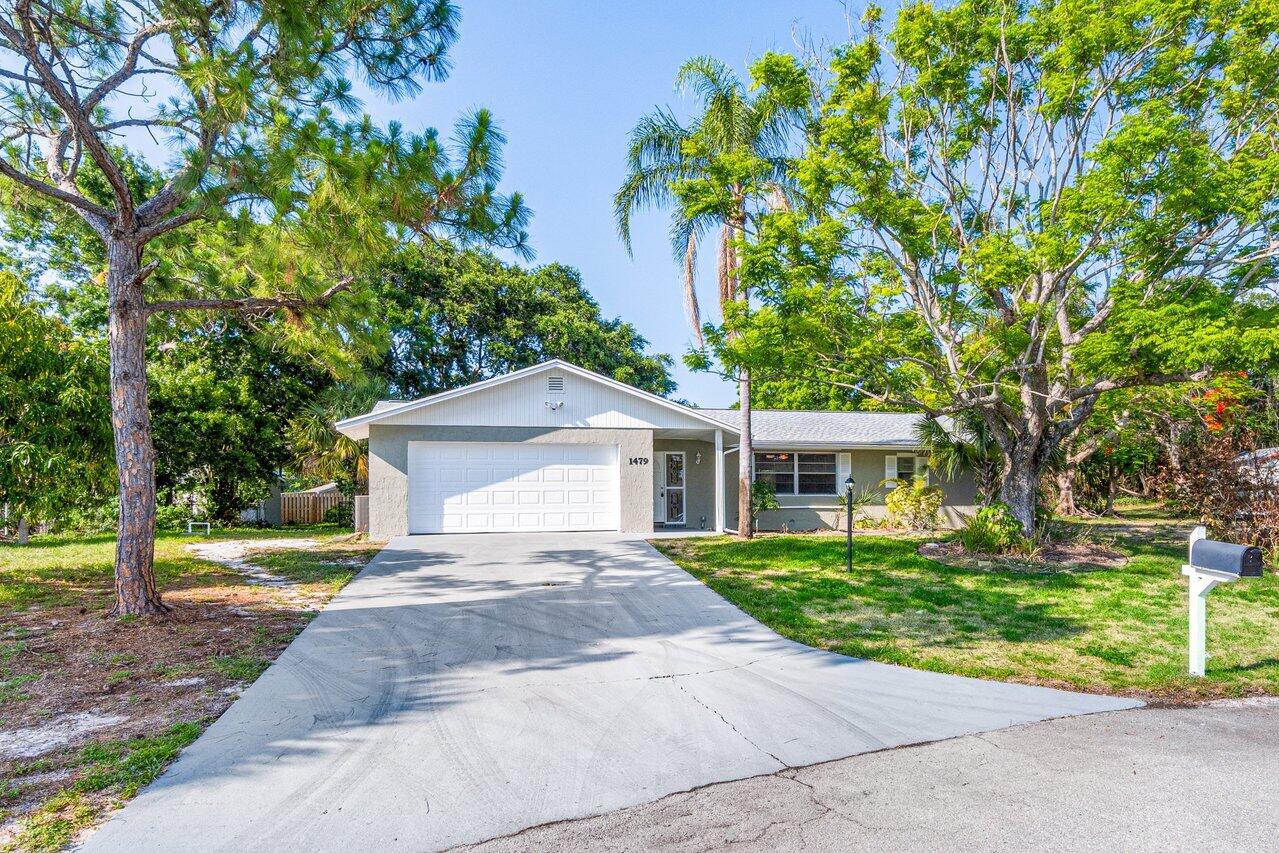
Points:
[(719, 481)]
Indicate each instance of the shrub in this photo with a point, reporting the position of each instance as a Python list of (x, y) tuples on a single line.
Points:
[(1232, 487), (993, 530), (343, 514), (763, 498), (914, 506), (852, 509), (172, 517)]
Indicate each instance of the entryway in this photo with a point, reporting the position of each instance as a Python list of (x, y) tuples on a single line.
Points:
[(669, 485)]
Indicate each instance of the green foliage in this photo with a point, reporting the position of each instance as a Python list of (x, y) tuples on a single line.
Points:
[(55, 430), (763, 499), (914, 505), (340, 514), (992, 530), (996, 221), (222, 400), (851, 506), (457, 317), (962, 444)]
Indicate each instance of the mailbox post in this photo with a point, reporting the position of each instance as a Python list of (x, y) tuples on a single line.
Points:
[(1212, 563)]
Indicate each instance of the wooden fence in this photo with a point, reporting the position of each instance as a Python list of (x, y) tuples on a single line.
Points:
[(307, 507)]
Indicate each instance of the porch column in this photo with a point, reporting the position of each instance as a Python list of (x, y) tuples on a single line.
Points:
[(719, 481)]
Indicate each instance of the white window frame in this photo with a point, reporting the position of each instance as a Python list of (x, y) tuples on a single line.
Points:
[(892, 465), (794, 455)]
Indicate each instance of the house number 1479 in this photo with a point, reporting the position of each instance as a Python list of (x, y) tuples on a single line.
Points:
[(639, 460)]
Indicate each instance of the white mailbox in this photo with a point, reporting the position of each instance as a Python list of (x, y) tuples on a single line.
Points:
[(1212, 563)]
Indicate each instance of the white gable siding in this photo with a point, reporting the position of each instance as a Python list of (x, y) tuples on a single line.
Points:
[(522, 402)]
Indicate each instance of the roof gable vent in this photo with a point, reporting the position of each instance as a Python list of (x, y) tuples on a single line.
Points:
[(555, 384)]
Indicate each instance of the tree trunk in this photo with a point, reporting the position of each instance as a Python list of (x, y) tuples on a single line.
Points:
[(1066, 490), (23, 532), (1110, 490), (745, 458), (1020, 489), (135, 591)]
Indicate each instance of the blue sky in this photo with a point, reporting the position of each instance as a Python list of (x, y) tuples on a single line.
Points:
[(566, 80)]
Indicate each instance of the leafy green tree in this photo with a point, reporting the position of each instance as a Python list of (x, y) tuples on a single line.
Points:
[(717, 174), (289, 197), (455, 317), (1023, 207), (55, 432), (222, 402)]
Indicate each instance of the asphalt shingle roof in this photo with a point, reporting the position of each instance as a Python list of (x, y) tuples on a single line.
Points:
[(773, 426)]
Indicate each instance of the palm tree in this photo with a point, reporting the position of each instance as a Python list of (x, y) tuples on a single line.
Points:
[(716, 174), (322, 451), (964, 443)]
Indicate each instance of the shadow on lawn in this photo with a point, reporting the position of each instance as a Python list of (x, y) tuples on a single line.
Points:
[(892, 595)]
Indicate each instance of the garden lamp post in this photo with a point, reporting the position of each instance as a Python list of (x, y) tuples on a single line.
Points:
[(848, 514)]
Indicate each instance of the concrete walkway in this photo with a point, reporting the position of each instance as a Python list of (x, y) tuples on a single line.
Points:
[(466, 687)]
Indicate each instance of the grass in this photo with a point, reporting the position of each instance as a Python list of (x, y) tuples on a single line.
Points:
[(110, 772), (59, 655), (69, 569), (329, 569), (1118, 630)]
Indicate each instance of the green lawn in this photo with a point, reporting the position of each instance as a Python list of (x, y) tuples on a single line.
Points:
[(165, 678), (1114, 631)]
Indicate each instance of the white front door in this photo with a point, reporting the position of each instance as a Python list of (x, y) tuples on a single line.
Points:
[(668, 503), (486, 487)]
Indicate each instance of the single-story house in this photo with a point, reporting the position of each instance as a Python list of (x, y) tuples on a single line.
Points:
[(555, 447)]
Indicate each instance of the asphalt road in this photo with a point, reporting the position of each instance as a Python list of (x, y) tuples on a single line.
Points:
[(1197, 779), (465, 687)]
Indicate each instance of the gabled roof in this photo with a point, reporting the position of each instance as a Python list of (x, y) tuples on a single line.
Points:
[(786, 429), (358, 426)]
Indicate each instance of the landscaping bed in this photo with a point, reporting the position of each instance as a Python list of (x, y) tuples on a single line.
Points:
[(92, 708), (1058, 557), (1121, 629)]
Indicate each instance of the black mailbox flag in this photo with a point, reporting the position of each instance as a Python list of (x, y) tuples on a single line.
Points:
[(1240, 560)]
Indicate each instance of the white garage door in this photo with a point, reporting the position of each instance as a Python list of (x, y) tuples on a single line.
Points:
[(477, 487)]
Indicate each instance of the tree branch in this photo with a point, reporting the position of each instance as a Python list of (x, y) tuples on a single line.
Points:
[(252, 303)]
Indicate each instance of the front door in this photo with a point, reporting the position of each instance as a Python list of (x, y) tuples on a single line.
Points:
[(670, 493)]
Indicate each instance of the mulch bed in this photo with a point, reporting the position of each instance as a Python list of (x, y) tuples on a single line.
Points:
[(1052, 558)]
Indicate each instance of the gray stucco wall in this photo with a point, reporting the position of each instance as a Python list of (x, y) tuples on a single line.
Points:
[(821, 512), (699, 495), (389, 456)]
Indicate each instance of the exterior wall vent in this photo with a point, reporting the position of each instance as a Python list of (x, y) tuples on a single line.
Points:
[(555, 384)]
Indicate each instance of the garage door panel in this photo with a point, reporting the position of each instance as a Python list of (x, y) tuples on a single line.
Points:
[(474, 487)]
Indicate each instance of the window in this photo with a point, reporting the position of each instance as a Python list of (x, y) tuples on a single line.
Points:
[(904, 470), (776, 469), (816, 473), (797, 473)]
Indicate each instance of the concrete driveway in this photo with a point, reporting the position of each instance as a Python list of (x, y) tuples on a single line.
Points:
[(465, 687)]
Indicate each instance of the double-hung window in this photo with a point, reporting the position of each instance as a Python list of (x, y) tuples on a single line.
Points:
[(777, 470), (797, 473)]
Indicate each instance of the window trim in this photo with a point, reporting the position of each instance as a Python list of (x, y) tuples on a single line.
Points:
[(794, 472), (919, 461)]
